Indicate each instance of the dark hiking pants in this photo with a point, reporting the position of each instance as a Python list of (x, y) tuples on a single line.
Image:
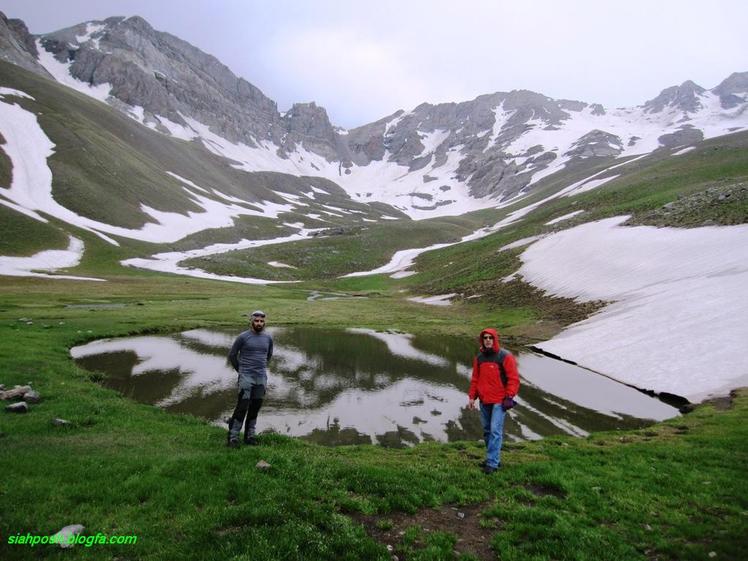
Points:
[(248, 406)]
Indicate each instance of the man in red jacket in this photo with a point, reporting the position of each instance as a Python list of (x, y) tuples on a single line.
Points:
[(495, 382)]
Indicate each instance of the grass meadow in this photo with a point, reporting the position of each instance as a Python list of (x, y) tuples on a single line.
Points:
[(676, 490)]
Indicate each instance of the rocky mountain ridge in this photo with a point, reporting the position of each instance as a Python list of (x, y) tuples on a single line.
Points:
[(432, 160)]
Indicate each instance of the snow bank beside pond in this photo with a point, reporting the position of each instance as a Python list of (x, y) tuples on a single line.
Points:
[(679, 320)]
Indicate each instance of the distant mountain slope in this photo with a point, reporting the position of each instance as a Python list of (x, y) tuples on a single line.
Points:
[(433, 160), (82, 162)]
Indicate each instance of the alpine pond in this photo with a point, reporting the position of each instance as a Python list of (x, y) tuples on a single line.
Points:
[(363, 386)]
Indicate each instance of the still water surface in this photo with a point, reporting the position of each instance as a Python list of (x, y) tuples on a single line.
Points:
[(360, 386)]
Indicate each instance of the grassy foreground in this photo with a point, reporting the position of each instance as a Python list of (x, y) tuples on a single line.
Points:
[(677, 490)]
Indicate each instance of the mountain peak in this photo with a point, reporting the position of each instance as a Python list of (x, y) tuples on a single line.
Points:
[(684, 97), (165, 76), (733, 89), (138, 22)]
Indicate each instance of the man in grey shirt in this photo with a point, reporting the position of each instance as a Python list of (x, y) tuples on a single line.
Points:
[(249, 356)]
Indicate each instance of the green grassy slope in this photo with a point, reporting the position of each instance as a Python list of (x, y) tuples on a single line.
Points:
[(23, 235), (105, 166), (345, 250)]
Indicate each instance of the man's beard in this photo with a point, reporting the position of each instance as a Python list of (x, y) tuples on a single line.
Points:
[(258, 328)]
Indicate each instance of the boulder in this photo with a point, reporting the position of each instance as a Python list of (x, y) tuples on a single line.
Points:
[(20, 407), (17, 391), (62, 537)]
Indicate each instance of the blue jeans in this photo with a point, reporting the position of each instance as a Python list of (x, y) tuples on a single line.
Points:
[(492, 417)]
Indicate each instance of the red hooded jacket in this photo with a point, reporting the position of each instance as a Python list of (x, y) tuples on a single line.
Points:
[(486, 381)]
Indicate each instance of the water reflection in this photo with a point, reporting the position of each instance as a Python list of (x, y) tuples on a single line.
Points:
[(361, 386)]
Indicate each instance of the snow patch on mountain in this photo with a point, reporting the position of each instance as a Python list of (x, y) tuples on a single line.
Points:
[(12, 92), (91, 30), (380, 181), (684, 151), (564, 217), (432, 140), (50, 260), (61, 72), (403, 260), (169, 262), (28, 148)]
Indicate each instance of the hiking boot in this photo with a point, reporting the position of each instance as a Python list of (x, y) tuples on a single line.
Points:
[(488, 470), (251, 441), (233, 444)]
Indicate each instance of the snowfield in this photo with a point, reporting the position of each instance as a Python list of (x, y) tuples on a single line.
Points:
[(678, 318)]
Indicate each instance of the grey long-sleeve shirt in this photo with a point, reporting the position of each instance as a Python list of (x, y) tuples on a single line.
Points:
[(249, 356)]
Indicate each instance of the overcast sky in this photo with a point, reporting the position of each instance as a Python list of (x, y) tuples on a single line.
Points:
[(364, 60)]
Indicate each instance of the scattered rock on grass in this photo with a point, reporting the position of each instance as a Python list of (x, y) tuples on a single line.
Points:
[(61, 423), (20, 407), (17, 391), (63, 535), (32, 397), (263, 465)]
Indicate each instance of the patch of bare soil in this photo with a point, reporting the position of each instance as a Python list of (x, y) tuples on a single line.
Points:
[(472, 530), (723, 403)]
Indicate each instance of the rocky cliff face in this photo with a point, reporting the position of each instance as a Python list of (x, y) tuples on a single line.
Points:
[(165, 76), (733, 90), (685, 97), (494, 147), (17, 45)]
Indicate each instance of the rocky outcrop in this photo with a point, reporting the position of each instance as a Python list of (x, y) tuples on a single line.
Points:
[(17, 45), (684, 97), (596, 143), (308, 125), (16, 392), (733, 90), (684, 136), (166, 76)]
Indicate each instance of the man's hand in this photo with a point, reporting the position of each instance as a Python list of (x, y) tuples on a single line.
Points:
[(471, 404), (508, 403)]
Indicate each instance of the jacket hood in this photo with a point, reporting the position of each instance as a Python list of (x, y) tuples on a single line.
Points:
[(489, 331)]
